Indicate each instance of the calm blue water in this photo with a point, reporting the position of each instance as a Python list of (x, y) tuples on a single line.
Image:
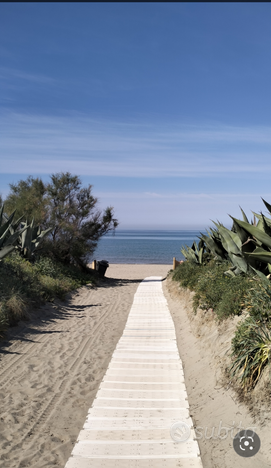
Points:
[(144, 246)]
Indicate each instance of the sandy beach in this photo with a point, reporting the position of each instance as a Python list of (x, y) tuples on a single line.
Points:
[(51, 368)]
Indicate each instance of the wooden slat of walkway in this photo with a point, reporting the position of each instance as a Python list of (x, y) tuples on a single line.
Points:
[(142, 394)]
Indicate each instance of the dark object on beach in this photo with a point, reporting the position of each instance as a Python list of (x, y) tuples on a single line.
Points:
[(101, 267)]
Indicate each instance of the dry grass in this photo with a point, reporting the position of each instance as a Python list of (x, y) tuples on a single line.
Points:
[(16, 308)]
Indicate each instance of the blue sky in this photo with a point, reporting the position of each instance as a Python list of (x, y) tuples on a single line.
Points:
[(164, 108)]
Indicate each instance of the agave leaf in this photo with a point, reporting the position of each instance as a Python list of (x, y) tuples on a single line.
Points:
[(190, 255), (12, 239), (201, 244), (41, 235), (239, 262), (260, 274), (267, 228), (1, 214), (27, 237), (4, 237), (194, 246), (260, 225), (257, 215), (35, 232), (227, 240), (6, 250), (201, 254), (17, 223), (6, 225), (213, 246), (229, 273), (261, 255), (244, 215), (255, 232), (267, 205), (23, 238), (243, 235)]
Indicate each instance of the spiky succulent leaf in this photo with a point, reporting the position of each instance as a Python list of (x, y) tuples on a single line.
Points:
[(213, 245), (227, 239), (189, 254), (267, 228), (6, 250), (267, 205), (239, 261), (261, 255), (4, 237), (12, 239), (260, 274), (242, 234), (229, 273), (6, 224), (201, 255), (255, 232), (201, 244), (41, 235), (244, 215)]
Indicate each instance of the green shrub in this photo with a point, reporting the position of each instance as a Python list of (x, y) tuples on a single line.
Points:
[(213, 289), (187, 274), (251, 351), (24, 284), (257, 300), (46, 266)]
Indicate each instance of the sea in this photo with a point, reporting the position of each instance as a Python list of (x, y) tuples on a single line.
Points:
[(144, 246)]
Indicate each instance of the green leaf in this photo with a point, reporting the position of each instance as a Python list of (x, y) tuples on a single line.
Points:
[(255, 232), (267, 228), (6, 225), (12, 239), (242, 234), (239, 262), (227, 239), (260, 274), (6, 250), (213, 246), (1, 214), (244, 215), (229, 273), (267, 205), (261, 255), (201, 255)]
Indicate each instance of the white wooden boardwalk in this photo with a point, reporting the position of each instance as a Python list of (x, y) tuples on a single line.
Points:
[(141, 396)]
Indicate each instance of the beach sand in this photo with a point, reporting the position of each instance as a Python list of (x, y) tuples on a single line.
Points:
[(51, 367)]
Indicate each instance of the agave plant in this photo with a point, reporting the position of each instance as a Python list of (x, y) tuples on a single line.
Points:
[(194, 253), (30, 239), (8, 236), (247, 245)]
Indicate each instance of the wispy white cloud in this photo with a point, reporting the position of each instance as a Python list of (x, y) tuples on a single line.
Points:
[(12, 73), (46, 144)]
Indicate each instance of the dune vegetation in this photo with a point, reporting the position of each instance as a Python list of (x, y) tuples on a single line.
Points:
[(229, 271), (48, 256)]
